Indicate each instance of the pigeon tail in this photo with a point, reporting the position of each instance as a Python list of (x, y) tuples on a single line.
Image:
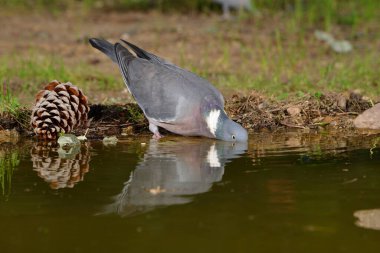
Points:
[(141, 53), (105, 47), (138, 51), (123, 57)]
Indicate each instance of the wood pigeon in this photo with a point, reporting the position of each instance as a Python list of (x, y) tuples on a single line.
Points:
[(170, 173), (171, 97), (236, 4)]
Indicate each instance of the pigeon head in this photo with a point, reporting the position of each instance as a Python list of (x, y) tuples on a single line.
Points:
[(232, 131), (223, 128)]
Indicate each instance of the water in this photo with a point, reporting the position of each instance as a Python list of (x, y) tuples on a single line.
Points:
[(290, 192)]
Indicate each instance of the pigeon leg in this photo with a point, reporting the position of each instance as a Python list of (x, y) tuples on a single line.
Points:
[(154, 129)]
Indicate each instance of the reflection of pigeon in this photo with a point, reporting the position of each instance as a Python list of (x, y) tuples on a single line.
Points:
[(236, 4), (171, 171), (171, 97)]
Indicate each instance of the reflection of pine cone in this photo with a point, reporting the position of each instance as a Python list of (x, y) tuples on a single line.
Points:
[(60, 172), (60, 107)]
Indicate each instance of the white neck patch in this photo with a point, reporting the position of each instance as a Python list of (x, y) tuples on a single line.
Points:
[(212, 120), (212, 157)]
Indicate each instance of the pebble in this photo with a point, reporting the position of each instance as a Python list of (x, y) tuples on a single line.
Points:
[(342, 103), (369, 119), (293, 111)]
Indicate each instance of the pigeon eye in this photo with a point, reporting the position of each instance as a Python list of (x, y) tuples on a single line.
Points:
[(233, 137)]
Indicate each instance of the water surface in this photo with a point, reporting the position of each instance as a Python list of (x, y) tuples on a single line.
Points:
[(293, 192)]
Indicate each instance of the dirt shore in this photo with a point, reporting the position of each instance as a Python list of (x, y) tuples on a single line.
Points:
[(331, 111)]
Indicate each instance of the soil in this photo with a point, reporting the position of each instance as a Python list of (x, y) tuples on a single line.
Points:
[(330, 110), (255, 112)]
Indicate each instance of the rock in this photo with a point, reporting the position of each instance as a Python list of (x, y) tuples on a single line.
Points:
[(369, 119), (324, 36), (293, 111), (366, 98), (341, 46), (356, 94), (69, 146), (68, 140), (111, 140), (342, 103), (127, 131)]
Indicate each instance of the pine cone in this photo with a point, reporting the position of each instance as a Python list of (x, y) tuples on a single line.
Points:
[(60, 172), (60, 107)]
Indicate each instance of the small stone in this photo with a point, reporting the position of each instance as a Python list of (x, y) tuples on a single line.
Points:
[(68, 140), (293, 111), (324, 36), (342, 103), (341, 46), (366, 98), (68, 152), (356, 94), (369, 119), (112, 140), (127, 131)]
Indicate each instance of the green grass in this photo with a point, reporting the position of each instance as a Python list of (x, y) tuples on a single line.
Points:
[(10, 107), (31, 73), (8, 102), (281, 67), (326, 12), (8, 163), (279, 71), (305, 14)]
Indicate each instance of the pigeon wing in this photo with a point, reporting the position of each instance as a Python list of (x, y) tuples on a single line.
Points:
[(189, 76), (161, 93)]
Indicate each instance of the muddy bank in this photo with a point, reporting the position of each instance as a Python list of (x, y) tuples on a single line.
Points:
[(255, 112), (328, 110)]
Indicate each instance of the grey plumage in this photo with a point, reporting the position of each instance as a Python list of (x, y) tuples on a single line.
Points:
[(170, 97), (161, 90), (235, 4)]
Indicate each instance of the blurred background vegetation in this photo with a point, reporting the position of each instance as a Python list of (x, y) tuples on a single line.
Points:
[(272, 49), (346, 12)]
